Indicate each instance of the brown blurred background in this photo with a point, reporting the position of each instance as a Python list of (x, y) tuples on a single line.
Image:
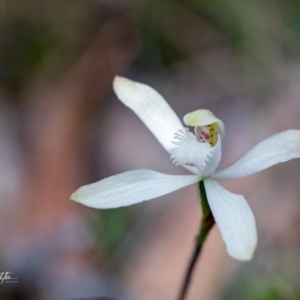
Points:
[(61, 126)]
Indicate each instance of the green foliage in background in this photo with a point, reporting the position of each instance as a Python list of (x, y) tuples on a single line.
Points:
[(109, 227), (42, 39)]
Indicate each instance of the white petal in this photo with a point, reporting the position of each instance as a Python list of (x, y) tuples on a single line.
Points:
[(130, 187), (214, 160), (234, 219), (150, 107), (275, 149)]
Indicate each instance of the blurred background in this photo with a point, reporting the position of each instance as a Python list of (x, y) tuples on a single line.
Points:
[(61, 127)]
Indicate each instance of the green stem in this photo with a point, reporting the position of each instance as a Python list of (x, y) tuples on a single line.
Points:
[(207, 223), (207, 218)]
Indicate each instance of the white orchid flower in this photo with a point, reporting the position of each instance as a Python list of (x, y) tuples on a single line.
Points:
[(200, 153)]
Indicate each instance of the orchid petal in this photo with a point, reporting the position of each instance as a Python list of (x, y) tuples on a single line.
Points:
[(150, 107), (215, 158), (234, 219), (275, 149), (130, 187)]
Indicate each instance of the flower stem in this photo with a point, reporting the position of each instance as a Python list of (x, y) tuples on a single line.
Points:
[(208, 220), (189, 271), (207, 223)]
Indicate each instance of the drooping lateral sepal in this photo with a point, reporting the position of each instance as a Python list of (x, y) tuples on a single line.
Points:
[(234, 218)]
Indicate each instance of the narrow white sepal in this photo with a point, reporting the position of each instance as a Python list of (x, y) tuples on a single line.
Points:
[(234, 219), (130, 187), (275, 149), (150, 107)]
